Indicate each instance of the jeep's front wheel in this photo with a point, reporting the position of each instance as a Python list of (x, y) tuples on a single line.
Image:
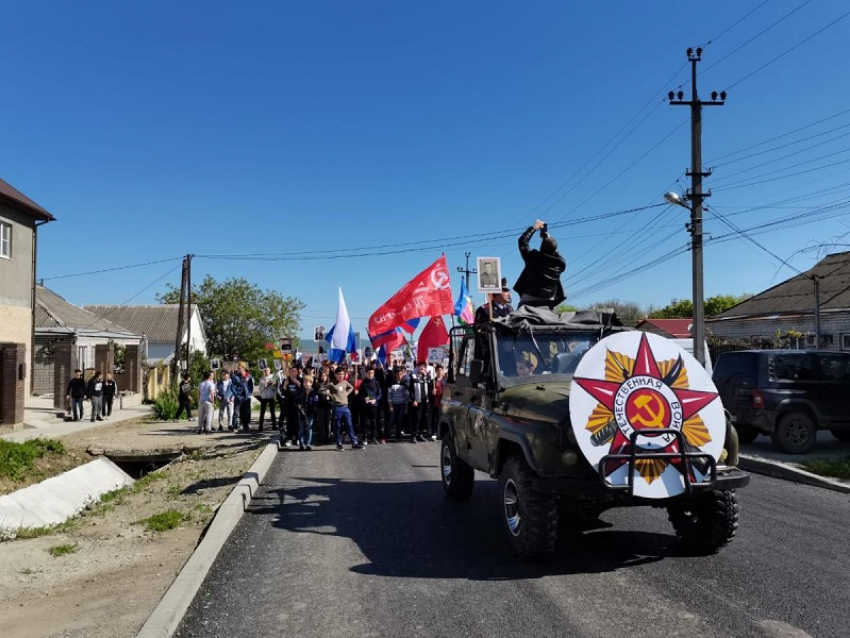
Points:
[(706, 522), (458, 476), (531, 518)]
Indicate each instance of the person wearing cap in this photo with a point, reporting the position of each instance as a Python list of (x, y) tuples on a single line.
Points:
[(539, 283), (526, 364), (501, 304)]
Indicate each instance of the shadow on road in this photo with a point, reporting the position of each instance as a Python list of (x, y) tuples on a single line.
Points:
[(410, 530)]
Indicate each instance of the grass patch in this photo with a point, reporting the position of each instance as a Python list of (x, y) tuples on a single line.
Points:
[(62, 550), (164, 521), (17, 458), (833, 468), (147, 479)]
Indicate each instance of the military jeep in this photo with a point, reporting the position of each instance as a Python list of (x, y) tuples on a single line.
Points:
[(517, 429)]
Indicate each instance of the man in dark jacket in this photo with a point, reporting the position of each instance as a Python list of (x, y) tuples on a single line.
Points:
[(539, 284), (94, 393), (76, 394), (110, 389)]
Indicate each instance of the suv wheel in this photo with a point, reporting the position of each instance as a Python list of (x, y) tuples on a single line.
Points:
[(531, 518), (706, 522), (458, 477), (841, 435), (795, 433), (746, 432)]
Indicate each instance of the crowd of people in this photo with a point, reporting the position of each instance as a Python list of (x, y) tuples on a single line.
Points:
[(365, 404), (98, 391)]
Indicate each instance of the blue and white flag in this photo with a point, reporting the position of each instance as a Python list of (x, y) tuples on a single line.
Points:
[(341, 336)]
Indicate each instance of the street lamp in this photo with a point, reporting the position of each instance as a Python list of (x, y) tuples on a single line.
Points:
[(695, 228)]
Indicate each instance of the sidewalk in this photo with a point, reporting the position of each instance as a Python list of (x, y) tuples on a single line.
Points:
[(41, 420), (762, 458)]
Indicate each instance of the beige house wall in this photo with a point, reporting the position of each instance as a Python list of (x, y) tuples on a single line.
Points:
[(16, 327)]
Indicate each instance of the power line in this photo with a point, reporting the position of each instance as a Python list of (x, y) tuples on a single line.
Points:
[(783, 168), (757, 35), (776, 148), (734, 24), (736, 185), (787, 51), (778, 137), (103, 270)]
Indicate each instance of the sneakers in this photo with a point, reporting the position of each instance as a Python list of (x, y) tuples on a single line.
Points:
[(339, 448), (358, 446), (382, 441), (301, 447), (287, 443), (308, 448), (433, 437), (413, 439)]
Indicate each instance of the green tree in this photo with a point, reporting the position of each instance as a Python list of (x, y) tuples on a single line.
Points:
[(627, 311), (565, 307), (238, 317), (684, 308)]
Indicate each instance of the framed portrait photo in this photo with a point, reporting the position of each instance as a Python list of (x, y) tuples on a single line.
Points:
[(261, 364), (319, 334), (489, 274)]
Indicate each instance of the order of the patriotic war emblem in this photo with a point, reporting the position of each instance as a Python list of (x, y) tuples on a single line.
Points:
[(638, 395)]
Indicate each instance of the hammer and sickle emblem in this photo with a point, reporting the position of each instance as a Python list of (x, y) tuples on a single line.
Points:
[(439, 278), (648, 417)]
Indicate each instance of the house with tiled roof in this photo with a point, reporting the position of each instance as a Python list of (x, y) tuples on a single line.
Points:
[(669, 328), (789, 309), (158, 323), (58, 321), (20, 218)]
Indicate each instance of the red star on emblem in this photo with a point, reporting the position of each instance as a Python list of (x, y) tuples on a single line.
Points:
[(691, 401)]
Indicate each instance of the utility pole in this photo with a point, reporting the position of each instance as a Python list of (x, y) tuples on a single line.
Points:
[(696, 196), (816, 281), (189, 311), (467, 271), (175, 361)]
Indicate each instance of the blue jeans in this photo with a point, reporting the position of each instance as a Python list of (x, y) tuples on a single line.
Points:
[(342, 413), (305, 429), (75, 405)]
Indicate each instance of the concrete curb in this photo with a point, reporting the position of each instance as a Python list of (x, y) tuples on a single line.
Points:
[(788, 473), (166, 617)]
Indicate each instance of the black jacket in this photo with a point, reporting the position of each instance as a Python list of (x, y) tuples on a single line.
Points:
[(76, 388), (541, 276), (95, 387), (110, 388)]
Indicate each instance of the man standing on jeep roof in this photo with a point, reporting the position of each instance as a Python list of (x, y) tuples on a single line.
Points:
[(539, 284)]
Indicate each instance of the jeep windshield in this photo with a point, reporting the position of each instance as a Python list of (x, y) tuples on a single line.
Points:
[(540, 357)]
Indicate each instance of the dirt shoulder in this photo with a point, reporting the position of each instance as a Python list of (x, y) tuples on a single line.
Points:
[(115, 569)]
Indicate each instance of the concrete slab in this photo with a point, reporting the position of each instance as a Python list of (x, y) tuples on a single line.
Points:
[(57, 499)]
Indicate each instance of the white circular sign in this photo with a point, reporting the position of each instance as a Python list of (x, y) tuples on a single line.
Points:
[(642, 388)]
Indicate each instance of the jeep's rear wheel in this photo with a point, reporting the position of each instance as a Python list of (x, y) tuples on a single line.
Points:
[(841, 435), (458, 477), (531, 518), (795, 433), (706, 522), (746, 432)]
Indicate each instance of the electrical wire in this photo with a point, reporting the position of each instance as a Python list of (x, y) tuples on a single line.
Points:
[(103, 270), (787, 51), (749, 238), (734, 24)]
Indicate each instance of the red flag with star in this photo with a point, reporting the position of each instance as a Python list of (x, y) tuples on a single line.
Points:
[(433, 336)]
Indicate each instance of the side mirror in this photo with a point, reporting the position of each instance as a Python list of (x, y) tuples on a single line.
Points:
[(476, 372)]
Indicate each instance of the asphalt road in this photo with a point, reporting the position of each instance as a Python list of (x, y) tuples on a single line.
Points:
[(364, 543)]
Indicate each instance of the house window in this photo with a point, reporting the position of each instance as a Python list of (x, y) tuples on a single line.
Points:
[(845, 342), (5, 240)]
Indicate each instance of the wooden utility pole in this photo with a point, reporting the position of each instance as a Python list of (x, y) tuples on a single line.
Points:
[(696, 196), (175, 361)]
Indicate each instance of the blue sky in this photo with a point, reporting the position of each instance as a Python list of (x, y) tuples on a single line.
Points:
[(152, 130)]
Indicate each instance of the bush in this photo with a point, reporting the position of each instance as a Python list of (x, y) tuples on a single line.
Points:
[(16, 458), (165, 405)]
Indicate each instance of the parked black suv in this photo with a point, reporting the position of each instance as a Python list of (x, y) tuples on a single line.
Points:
[(788, 394)]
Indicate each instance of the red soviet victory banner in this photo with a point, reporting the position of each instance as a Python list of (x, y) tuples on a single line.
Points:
[(428, 294), (433, 336)]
